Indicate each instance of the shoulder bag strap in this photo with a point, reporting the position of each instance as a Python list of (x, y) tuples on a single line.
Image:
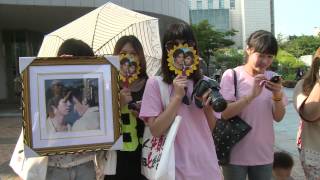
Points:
[(164, 91), (235, 83)]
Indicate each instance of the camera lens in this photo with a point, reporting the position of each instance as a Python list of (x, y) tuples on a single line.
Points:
[(218, 104)]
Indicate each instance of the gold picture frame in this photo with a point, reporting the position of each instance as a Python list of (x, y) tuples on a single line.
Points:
[(70, 105)]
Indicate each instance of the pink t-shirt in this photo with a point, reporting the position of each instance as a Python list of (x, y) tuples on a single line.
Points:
[(194, 147), (256, 148)]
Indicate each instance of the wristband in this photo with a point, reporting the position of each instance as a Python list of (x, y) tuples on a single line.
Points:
[(276, 98)]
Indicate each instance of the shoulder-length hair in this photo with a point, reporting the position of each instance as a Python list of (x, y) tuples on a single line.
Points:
[(262, 41), (179, 31), (75, 47), (134, 41), (312, 75)]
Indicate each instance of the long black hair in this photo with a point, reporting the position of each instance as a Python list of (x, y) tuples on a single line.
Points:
[(178, 31), (135, 43)]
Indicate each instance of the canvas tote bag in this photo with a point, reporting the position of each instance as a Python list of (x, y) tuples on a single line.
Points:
[(28, 168), (158, 159)]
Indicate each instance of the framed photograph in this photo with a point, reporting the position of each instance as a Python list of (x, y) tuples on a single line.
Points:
[(70, 105)]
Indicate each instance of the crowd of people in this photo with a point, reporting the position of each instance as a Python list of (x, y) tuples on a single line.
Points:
[(259, 102)]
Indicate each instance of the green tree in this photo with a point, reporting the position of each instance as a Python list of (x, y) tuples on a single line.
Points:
[(209, 39), (288, 64), (228, 57), (281, 40), (301, 45)]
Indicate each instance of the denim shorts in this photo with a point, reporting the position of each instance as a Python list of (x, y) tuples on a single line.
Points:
[(237, 172)]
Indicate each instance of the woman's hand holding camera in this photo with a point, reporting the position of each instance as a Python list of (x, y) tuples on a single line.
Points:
[(206, 99), (208, 109), (179, 84)]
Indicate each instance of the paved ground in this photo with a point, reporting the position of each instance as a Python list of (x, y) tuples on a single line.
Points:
[(285, 135), (10, 130), (10, 126)]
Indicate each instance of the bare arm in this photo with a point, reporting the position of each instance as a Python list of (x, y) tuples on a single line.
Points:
[(278, 110), (208, 111), (211, 119), (310, 110), (234, 108), (159, 125)]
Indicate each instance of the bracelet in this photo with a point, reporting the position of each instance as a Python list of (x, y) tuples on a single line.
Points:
[(276, 98)]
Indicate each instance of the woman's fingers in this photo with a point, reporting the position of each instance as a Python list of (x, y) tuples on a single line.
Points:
[(125, 92), (207, 102), (205, 98), (259, 82), (260, 79), (179, 84), (181, 81), (206, 94), (125, 96), (273, 86)]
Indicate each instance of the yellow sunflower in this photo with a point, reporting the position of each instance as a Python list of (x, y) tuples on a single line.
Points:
[(132, 77), (185, 48)]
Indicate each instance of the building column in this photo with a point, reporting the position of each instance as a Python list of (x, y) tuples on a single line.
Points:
[(3, 76)]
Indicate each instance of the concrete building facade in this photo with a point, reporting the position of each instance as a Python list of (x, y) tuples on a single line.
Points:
[(245, 16), (25, 22), (217, 17)]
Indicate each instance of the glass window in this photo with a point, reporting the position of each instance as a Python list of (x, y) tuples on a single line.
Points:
[(232, 4), (17, 43), (221, 4), (199, 4), (210, 4)]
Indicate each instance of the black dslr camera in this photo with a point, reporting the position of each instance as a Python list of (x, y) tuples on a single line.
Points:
[(135, 106), (218, 103)]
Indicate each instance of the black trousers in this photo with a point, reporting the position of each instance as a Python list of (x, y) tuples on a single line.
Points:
[(128, 166)]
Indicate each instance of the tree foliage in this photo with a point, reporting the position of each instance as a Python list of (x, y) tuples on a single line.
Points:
[(228, 57), (301, 45), (287, 64), (209, 39), (288, 60)]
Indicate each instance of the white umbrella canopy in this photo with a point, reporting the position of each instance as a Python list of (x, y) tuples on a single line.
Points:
[(102, 27)]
